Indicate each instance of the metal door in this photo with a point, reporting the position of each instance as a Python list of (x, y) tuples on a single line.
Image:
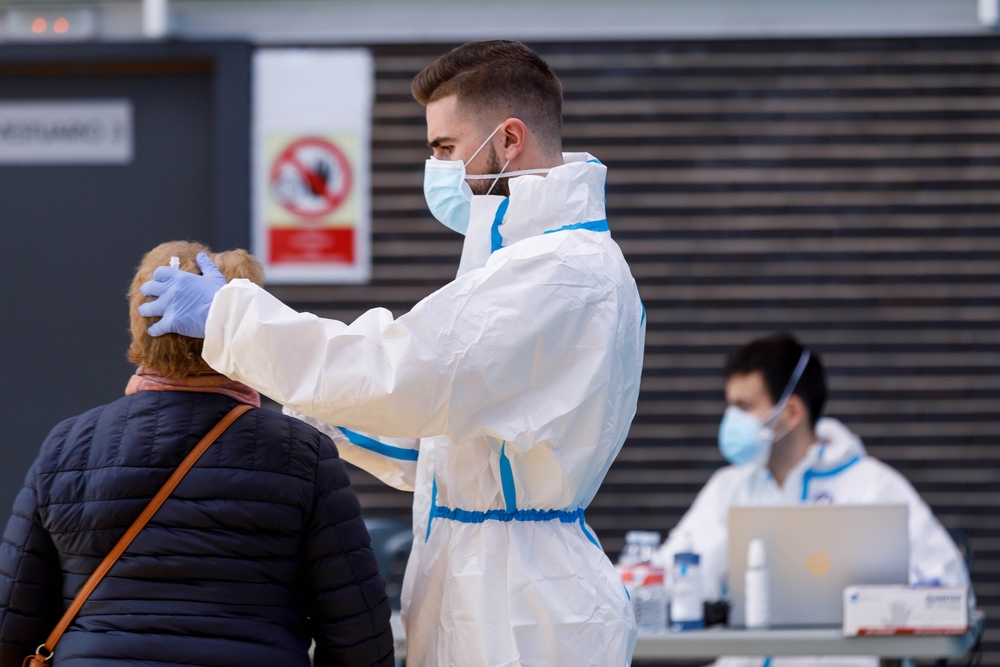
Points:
[(72, 235)]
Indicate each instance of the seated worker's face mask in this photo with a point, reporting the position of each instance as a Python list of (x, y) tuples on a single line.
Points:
[(448, 195), (745, 438)]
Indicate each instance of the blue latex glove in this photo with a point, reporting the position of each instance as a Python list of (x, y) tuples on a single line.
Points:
[(182, 299)]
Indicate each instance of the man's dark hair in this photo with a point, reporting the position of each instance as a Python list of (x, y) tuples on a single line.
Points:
[(498, 76), (776, 357)]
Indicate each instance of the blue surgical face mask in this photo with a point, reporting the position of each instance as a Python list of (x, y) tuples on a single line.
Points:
[(449, 196), (744, 438)]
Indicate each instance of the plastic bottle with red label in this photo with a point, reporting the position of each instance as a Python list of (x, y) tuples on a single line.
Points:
[(644, 581), (649, 603)]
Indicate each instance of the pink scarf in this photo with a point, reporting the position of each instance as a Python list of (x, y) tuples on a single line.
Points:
[(213, 383)]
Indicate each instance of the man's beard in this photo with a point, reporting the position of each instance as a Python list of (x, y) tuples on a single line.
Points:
[(480, 187)]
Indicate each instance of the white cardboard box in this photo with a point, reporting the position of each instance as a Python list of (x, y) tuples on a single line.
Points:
[(901, 610)]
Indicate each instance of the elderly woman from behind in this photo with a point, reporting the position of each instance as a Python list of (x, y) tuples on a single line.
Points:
[(258, 552)]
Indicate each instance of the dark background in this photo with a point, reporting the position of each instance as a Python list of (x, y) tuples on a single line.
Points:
[(71, 236), (844, 190)]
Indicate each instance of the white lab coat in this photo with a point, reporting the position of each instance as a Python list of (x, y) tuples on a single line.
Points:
[(836, 471), (505, 396)]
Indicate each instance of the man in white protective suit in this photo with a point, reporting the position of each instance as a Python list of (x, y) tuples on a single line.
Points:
[(783, 453), (501, 399)]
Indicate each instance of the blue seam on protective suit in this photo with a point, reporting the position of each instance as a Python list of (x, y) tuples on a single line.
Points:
[(592, 226), (643, 320), (507, 480), (496, 241), (475, 516), (767, 662), (583, 527), (434, 498), (808, 475), (379, 447), (594, 160)]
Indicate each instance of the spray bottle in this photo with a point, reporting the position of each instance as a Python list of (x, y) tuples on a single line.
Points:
[(757, 586)]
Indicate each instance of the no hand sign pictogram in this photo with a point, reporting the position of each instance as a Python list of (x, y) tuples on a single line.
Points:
[(311, 178), (312, 165)]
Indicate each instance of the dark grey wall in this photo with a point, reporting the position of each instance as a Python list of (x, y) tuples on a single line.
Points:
[(844, 190), (71, 236)]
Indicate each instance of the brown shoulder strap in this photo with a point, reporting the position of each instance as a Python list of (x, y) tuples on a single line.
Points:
[(139, 524)]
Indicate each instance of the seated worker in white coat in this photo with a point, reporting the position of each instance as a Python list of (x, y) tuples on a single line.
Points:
[(501, 399), (784, 453)]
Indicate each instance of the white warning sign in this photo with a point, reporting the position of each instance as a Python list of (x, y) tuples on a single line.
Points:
[(312, 113)]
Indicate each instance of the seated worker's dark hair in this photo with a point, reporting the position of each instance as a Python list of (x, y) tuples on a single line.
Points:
[(497, 80), (776, 357)]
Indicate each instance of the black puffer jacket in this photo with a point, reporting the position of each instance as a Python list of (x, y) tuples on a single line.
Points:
[(260, 549)]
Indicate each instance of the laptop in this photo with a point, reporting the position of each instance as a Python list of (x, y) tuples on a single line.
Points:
[(814, 553)]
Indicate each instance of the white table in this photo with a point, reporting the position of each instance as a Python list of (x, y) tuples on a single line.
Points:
[(713, 642)]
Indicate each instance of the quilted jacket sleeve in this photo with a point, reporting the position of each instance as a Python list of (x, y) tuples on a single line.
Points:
[(30, 580), (349, 607)]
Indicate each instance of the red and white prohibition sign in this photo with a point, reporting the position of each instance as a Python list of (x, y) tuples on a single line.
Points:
[(311, 178)]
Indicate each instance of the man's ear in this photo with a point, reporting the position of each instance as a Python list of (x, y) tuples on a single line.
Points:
[(795, 412), (513, 137)]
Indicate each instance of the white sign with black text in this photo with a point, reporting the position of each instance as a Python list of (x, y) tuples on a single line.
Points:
[(65, 132)]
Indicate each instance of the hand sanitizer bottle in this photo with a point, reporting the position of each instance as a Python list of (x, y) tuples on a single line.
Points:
[(757, 586), (687, 605)]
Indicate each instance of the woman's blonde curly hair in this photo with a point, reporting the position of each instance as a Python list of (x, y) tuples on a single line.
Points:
[(173, 355)]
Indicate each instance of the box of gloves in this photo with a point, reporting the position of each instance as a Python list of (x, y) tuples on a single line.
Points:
[(905, 610)]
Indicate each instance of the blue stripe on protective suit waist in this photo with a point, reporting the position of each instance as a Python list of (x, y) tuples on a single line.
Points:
[(510, 500), (479, 516), (476, 516)]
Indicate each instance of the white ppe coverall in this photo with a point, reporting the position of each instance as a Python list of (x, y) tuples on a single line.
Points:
[(835, 471), (502, 400)]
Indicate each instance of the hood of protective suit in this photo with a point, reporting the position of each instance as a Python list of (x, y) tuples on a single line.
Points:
[(838, 445), (571, 193)]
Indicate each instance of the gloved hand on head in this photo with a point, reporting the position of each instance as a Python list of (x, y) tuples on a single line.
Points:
[(182, 299)]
